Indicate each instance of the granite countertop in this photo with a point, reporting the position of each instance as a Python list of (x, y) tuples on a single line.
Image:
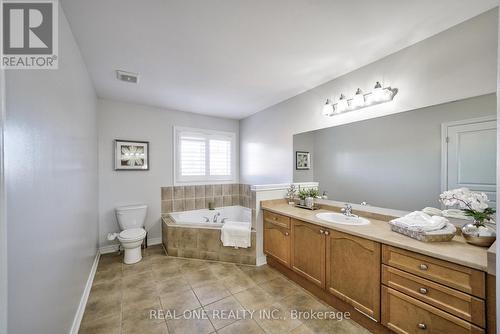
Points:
[(456, 251)]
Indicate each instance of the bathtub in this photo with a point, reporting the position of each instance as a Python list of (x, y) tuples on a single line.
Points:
[(198, 218), (188, 234)]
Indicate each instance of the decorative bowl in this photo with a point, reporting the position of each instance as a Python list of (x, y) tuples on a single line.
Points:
[(483, 236)]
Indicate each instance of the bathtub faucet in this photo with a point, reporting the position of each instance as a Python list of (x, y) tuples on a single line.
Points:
[(215, 217)]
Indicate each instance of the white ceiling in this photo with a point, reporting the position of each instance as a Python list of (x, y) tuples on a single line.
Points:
[(232, 58)]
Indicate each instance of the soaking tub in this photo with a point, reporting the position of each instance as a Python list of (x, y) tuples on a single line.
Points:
[(212, 218), (196, 234)]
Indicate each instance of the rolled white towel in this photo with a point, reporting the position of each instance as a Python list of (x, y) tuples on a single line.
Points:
[(432, 211), (420, 221), (455, 213)]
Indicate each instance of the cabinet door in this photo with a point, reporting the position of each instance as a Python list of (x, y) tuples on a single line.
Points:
[(277, 242), (308, 251), (353, 271)]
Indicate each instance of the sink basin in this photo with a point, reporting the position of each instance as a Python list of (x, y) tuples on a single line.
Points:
[(339, 218)]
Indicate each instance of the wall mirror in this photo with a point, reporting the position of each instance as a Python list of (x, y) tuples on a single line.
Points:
[(404, 161)]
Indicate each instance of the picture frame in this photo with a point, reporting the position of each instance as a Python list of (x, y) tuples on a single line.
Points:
[(131, 155), (302, 160)]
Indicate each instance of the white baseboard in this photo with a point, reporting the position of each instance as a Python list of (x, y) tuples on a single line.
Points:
[(154, 241), (114, 247), (261, 260), (86, 292), (109, 249)]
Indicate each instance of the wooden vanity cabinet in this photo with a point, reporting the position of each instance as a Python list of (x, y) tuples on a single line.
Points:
[(353, 271), (308, 251), (277, 237)]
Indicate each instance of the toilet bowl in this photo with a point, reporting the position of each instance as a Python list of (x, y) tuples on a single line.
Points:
[(131, 221), (131, 241)]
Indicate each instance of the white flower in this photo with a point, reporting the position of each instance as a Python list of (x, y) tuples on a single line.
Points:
[(466, 199)]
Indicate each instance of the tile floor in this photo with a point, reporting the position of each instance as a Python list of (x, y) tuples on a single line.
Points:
[(124, 298)]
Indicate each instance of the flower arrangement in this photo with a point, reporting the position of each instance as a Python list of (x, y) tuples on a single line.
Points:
[(473, 204), (303, 194), (313, 192)]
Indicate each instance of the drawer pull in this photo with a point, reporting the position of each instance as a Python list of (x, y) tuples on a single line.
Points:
[(423, 267), (287, 234), (423, 291), (422, 326), (327, 233), (321, 231)]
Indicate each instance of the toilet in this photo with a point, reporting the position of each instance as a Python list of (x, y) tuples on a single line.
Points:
[(131, 221)]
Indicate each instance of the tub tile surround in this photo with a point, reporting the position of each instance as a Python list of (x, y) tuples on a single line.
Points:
[(194, 197), (122, 297), (203, 243)]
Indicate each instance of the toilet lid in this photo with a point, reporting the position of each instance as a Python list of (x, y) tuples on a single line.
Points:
[(133, 233)]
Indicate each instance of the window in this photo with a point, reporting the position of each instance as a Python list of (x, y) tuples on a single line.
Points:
[(203, 155)]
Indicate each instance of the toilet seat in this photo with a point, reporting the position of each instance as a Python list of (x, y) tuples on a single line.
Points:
[(132, 234)]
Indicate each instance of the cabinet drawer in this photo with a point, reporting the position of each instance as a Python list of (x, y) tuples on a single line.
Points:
[(453, 275), (277, 219), (455, 302), (404, 314)]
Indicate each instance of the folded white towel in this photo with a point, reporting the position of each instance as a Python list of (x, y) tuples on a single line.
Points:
[(236, 234), (420, 221)]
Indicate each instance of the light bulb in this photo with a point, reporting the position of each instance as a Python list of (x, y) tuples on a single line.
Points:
[(327, 108), (359, 99), (342, 104), (378, 94)]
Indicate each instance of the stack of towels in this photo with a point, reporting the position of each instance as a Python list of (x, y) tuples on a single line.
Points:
[(421, 222), (236, 234)]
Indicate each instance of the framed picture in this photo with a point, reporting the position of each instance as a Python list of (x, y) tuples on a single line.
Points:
[(302, 160), (131, 155)]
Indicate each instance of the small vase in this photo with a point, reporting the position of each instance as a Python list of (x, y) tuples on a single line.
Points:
[(302, 202), (309, 202), (479, 234)]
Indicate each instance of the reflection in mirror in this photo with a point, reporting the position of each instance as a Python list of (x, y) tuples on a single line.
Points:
[(404, 161)]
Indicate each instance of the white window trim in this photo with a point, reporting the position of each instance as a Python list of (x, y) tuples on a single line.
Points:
[(191, 180)]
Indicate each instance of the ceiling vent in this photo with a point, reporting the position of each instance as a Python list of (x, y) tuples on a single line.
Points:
[(127, 76)]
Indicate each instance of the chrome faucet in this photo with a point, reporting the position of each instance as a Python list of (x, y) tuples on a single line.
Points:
[(207, 220), (214, 220), (347, 210)]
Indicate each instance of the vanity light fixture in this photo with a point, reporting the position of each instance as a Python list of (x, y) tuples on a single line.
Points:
[(360, 100), (328, 108), (342, 104)]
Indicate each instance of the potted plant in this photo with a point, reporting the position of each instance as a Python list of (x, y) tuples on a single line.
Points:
[(475, 205), (303, 194), (311, 195)]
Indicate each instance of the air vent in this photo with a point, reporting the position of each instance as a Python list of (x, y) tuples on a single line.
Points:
[(127, 76)]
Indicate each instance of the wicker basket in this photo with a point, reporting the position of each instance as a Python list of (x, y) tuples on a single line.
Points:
[(445, 234)]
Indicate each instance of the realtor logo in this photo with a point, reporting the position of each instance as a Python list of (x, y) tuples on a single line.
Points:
[(29, 34)]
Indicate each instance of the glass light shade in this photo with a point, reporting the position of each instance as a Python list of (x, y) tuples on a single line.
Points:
[(327, 108), (378, 93), (358, 99), (342, 104)]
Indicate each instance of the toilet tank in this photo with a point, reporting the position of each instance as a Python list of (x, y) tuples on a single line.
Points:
[(131, 216)]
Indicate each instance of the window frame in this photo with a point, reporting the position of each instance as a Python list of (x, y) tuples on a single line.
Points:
[(203, 179)]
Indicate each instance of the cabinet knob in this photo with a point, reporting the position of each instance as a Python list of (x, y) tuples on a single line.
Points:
[(422, 326), (423, 291), (423, 267), (286, 233), (321, 231), (327, 233)]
